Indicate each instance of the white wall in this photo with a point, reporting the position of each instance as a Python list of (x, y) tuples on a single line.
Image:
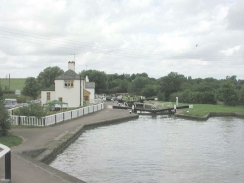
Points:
[(92, 94), (44, 96), (70, 95)]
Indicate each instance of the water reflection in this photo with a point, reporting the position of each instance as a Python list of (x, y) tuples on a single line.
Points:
[(158, 149)]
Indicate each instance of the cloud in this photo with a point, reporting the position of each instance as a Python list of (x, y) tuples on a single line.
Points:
[(230, 51), (235, 16), (122, 36)]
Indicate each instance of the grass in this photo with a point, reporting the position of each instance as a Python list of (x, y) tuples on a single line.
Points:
[(10, 140), (204, 109), (15, 83)]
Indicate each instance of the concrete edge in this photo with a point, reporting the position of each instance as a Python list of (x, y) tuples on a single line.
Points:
[(54, 172)]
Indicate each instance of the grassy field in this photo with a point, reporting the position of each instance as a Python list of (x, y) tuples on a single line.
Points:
[(10, 140), (203, 109), (15, 83)]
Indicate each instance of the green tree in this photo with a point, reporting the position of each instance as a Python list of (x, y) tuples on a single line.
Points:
[(1, 91), (142, 75), (100, 79), (31, 88), (241, 96), (4, 116), (138, 84), (160, 96), (47, 76), (228, 94), (171, 83), (132, 77), (118, 86), (150, 90)]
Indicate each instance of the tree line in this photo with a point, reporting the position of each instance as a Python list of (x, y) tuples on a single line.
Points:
[(229, 91)]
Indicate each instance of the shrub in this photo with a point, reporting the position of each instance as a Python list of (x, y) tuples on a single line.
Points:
[(32, 109), (4, 120), (206, 97)]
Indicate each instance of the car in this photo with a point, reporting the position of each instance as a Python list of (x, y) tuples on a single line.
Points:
[(108, 98), (10, 103)]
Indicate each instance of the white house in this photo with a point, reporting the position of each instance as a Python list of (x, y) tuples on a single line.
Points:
[(70, 88)]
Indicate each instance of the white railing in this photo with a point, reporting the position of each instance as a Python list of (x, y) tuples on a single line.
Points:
[(50, 120), (74, 113), (55, 118), (6, 151), (90, 108), (80, 112), (85, 111)]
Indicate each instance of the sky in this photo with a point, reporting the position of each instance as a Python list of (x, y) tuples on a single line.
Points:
[(197, 38)]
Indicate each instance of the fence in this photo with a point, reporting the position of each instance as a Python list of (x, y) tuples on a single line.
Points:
[(55, 118), (6, 151)]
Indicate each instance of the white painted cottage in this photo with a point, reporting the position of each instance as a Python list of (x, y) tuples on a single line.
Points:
[(70, 88)]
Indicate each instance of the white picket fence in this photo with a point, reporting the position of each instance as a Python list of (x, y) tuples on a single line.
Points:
[(55, 118)]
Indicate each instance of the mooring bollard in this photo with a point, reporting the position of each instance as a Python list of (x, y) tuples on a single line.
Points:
[(7, 153)]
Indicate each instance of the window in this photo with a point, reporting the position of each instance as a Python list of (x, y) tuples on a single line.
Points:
[(60, 99), (48, 96), (69, 84)]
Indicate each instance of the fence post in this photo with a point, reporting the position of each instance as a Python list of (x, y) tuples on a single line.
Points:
[(19, 120), (8, 165)]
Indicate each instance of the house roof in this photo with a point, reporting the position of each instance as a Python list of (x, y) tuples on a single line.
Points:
[(69, 75), (90, 85), (86, 92)]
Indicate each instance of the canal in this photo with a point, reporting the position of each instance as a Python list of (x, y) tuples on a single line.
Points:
[(158, 149)]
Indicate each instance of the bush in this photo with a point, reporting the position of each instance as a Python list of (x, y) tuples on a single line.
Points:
[(160, 96), (5, 123), (32, 109), (187, 96), (228, 93), (241, 96), (23, 99)]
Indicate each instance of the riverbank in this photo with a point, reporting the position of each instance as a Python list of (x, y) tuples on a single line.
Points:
[(202, 110), (205, 111), (43, 144)]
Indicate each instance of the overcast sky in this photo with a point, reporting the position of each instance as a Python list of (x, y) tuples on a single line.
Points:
[(198, 38)]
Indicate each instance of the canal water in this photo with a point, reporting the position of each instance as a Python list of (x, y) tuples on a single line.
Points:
[(158, 149)]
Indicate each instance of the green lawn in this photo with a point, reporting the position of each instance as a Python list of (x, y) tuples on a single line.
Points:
[(15, 83), (10, 140), (203, 109)]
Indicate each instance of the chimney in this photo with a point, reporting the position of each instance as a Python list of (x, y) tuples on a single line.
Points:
[(71, 65), (87, 80)]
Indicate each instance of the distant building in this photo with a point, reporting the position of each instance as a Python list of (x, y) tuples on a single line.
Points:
[(70, 88)]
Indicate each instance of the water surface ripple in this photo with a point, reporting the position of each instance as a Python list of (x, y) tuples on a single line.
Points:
[(158, 149)]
